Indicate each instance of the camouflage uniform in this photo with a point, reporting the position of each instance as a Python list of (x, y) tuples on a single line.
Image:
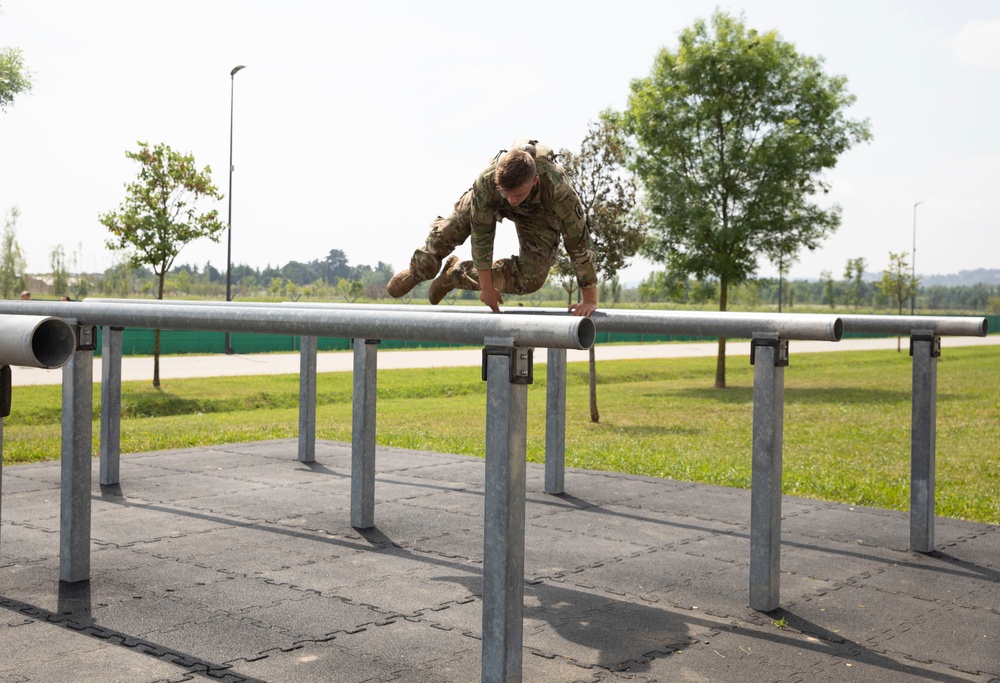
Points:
[(552, 211)]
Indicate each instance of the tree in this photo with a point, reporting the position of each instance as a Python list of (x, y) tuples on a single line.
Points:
[(60, 275), (15, 78), (12, 262), (828, 294), (898, 284), (853, 273), (607, 191), (159, 215), (733, 130)]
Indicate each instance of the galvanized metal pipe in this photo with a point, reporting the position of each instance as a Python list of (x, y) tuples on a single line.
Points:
[(926, 348), (111, 406), (940, 325), (307, 399), (817, 327), (36, 341), (617, 320), (549, 331), (76, 461), (770, 358), (504, 517)]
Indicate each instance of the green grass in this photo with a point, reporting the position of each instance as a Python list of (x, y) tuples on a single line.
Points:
[(846, 437)]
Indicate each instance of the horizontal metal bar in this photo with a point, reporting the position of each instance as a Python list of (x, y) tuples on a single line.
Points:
[(546, 332), (816, 327), (636, 322), (941, 325)]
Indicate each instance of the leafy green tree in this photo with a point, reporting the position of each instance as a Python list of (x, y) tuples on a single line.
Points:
[(734, 129), (898, 284), (60, 274), (854, 274), (351, 290), (12, 262), (15, 78), (607, 191), (160, 216), (828, 295)]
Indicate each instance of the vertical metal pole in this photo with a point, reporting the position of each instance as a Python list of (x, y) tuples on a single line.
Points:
[(925, 349), (5, 394), (111, 405), (229, 220), (555, 422), (503, 537), (363, 434), (1, 478), (307, 399), (77, 437), (769, 356)]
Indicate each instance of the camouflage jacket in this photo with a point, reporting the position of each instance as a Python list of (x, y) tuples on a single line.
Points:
[(552, 205)]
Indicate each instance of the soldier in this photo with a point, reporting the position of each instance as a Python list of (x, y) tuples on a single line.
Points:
[(528, 187)]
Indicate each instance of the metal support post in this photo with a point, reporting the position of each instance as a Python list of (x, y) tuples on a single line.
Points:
[(111, 405), (77, 435), (307, 399), (555, 422), (507, 371), (363, 434), (769, 356), (5, 395), (925, 348)]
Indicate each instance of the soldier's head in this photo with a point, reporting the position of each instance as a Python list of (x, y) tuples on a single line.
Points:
[(516, 176)]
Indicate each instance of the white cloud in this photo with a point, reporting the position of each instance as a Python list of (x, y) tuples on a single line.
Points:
[(977, 43)]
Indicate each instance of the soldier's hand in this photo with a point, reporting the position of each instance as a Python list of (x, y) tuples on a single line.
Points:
[(491, 297), (584, 308)]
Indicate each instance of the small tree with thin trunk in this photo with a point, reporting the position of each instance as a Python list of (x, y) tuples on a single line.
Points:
[(898, 283), (12, 262), (607, 190), (159, 215)]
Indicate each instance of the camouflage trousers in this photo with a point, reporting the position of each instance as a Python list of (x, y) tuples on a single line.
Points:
[(523, 273)]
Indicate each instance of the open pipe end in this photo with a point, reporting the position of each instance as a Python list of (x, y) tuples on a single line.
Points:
[(838, 329), (586, 333), (53, 343)]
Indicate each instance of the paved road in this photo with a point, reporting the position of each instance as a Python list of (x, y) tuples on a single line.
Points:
[(141, 368)]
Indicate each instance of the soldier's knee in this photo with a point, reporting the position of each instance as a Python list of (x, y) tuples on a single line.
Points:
[(528, 283)]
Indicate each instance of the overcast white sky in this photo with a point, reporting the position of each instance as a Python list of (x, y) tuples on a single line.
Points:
[(357, 123)]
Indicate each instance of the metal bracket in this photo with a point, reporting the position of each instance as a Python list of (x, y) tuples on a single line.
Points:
[(521, 362), (781, 359), (5, 392), (927, 337), (86, 338)]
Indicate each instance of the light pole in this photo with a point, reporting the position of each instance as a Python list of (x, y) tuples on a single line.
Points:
[(913, 271), (229, 221)]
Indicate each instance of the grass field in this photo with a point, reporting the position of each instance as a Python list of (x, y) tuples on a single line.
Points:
[(846, 437)]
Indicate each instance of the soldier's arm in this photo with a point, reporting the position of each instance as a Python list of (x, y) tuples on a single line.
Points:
[(576, 237), (484, 224)]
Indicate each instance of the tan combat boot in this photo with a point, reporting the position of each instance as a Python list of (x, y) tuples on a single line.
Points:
[(401, 283), (442, 283)]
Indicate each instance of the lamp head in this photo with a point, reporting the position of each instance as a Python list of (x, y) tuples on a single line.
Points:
[(235, 69)]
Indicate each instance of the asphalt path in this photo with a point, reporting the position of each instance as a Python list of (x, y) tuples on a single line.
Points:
[(220, 365)]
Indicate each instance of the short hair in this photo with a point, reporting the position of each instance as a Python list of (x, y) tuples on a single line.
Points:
[(514, 169)]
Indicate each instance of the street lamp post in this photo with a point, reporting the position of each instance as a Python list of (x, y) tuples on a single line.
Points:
[(913, 271), (229, 221)]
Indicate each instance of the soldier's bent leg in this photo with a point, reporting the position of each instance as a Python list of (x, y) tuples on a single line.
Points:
[(509, 276), (445, 236)]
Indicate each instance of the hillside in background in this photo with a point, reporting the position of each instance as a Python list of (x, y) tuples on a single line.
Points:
[(987, 276)]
